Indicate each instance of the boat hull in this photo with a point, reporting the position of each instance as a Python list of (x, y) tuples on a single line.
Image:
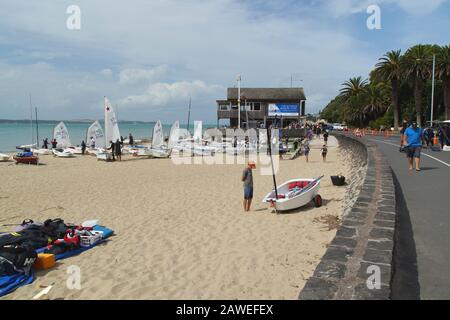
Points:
[(27, 160), (287, 203)]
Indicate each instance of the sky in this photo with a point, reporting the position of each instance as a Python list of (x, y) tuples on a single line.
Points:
[(150, 56)]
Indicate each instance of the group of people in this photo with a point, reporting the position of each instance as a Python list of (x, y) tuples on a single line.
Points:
[(45, 143), (115, 147), (412, 138), (309, 136)]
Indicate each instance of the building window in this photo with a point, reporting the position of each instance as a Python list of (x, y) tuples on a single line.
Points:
[(224, 107), (256, 106)]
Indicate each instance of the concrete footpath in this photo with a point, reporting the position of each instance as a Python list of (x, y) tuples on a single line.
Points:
[(422, 252)]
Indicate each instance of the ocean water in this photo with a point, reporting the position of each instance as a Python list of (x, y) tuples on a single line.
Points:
[(16, 133)]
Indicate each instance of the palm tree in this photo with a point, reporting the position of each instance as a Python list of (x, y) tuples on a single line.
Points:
[(352, 93), (389, 68), (416, 64), (376, 98), (353, 87), (443, 73)]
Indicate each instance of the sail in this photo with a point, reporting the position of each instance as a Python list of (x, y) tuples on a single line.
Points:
[(61, 134), (198, 130), (158, 138), (262, 137), (174, 134), (112, 132), (95, 131), (184, 134)]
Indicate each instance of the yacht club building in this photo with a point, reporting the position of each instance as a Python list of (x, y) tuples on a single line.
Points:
[(262, 106)]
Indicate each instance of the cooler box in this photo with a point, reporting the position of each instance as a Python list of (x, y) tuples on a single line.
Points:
[(44, 261)]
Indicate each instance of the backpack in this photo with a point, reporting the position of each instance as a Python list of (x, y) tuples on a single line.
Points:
[(16, 259)]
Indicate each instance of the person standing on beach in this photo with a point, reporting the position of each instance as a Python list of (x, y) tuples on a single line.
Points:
[(118, 149), (45, 143), (131, 140), (413, 140), (83, 147), (324, 152), (112, 147), (247, 179), (54, 143), (92, 143), (307, 150)]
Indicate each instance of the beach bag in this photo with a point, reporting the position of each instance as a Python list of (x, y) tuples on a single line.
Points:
[(16, 259), (33, 237), (55, 228)]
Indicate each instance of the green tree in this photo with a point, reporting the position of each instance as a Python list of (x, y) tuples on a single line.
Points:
[(389, 68), (416, 64), (443, 73)]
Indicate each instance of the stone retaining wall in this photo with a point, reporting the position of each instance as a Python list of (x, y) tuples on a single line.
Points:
[(363, 246)]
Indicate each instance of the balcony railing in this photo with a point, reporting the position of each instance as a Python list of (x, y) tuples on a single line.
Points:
[(227, 114)]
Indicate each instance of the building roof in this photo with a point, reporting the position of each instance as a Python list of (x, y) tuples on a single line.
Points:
[(294, 94)]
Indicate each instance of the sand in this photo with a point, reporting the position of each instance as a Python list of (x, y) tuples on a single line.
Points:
[(181, 232)]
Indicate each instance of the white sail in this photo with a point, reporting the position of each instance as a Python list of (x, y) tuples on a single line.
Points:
[(198, 131), (174, 136), (112, 132), (184, 134), (262, 137), (61, 134), (95, 131), (158, 138)]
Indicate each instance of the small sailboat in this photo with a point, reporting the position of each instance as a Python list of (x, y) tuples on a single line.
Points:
[(62, 153), (159, 149), (4, 157), (35, 149), (112, 132), (294, 193), (61, 135), (26, 157)]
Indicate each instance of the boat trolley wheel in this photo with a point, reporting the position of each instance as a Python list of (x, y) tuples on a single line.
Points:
[(318, 201)]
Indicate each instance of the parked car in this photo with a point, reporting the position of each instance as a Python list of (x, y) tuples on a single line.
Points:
[(338, 127)]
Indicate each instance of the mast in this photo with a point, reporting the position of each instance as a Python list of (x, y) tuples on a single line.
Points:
[(189, 114), (37, 130), (269, 144), (106, 134), (31, 121)]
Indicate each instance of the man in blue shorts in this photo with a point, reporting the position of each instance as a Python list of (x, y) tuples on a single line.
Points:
[(247, 178), (413, 140)]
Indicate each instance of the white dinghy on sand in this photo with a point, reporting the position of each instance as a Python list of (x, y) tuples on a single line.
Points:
[(112, 132)]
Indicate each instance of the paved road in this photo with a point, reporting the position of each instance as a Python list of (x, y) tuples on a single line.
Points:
[(422, 254)]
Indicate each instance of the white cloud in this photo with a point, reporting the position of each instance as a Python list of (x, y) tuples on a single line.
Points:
[(196, 48), (134, 76), (106, 72), (160, 94), (349, 7)]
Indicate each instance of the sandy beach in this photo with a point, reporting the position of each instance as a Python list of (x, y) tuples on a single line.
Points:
[(180, 230)]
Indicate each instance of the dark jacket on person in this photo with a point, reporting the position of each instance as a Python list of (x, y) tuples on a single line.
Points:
[(112, 147), (118, 147)]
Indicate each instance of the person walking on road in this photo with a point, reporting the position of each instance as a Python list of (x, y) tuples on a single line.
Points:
[(325, 137), (413, 140)]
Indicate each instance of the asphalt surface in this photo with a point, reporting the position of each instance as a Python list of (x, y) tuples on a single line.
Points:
[(422, 253)]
